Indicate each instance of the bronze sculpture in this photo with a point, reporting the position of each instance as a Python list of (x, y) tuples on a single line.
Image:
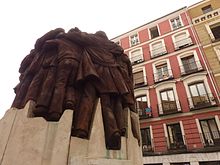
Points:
[(71, 71)]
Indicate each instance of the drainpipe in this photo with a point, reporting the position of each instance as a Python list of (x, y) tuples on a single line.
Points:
[(213, 82)]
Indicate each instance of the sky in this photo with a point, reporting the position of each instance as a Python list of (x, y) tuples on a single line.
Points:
[(24, 21)]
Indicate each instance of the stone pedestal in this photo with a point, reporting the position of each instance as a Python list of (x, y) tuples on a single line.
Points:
[(34, 141)]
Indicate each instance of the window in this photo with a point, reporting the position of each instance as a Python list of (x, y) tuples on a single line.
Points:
[(199, 95), (215, 31), (206, 9), (168, 101), (138, 78), (146, 140), (162, 72), (136, 56), (134, 40), (158, 49), (154, 32), (182, 163), (176, 23), (142, 107), (189, 62), (175, 137), (189, 65), (210, 132), (182, 40), (217, 51), (210, 163)]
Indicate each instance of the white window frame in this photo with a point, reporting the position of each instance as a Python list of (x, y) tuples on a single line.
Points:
[(217, 51), (180, 21), (141, 55), (209, 29), (161, 62), (155, 42), (176, 34), (200, 128), (142, 92), (131, 39), (163, 86), (152, 137), (199, 77), (187, 54), (166, 132), (144, 72)]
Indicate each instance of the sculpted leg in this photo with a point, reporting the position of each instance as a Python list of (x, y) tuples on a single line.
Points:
[(63, 72), (112, 133), (85, 112)]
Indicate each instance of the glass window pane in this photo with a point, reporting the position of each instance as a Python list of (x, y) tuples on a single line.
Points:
[(214, 129), (170, 95), (193, 90), (201, 89), (164, 95), (205, 129)]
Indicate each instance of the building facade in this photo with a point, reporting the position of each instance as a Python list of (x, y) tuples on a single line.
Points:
[(176, 96), (205, 17)]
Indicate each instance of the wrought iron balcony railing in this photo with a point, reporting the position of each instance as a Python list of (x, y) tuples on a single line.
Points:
[(147, 148), (144, 113), (202, 101), (191, 67), (169, 107), (175, 144), (163, 75), (211, 138)]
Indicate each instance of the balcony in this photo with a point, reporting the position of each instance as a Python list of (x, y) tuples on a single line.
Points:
[(144, 113), (183, 43), (136, 59), (159, 51), (202, 101), (169, 107), (211, 139), (190, 68), (146, 149), (176, 145), (163, 75), (207, 16)]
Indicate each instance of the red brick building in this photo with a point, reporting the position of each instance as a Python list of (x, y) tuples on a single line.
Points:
[(176, 94)]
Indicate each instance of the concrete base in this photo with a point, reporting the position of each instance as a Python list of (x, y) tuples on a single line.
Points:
[(34, 141)]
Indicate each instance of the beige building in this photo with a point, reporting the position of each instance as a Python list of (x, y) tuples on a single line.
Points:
[(205, 17)]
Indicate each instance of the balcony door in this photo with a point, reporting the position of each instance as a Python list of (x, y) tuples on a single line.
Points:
[(168, 101), (146, 140), (175, 136), (142, 107), (199, 95), (210, 132), (189, 64)]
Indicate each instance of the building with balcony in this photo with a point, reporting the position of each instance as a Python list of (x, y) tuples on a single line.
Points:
[(205, 17), (176, 96)]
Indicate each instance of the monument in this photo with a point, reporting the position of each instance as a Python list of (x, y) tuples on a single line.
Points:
[(74, 104)]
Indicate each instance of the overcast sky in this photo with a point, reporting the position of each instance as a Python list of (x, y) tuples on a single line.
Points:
[(23, 21)]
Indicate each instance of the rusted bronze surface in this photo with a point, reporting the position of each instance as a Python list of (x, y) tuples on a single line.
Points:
[(71, 71)]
